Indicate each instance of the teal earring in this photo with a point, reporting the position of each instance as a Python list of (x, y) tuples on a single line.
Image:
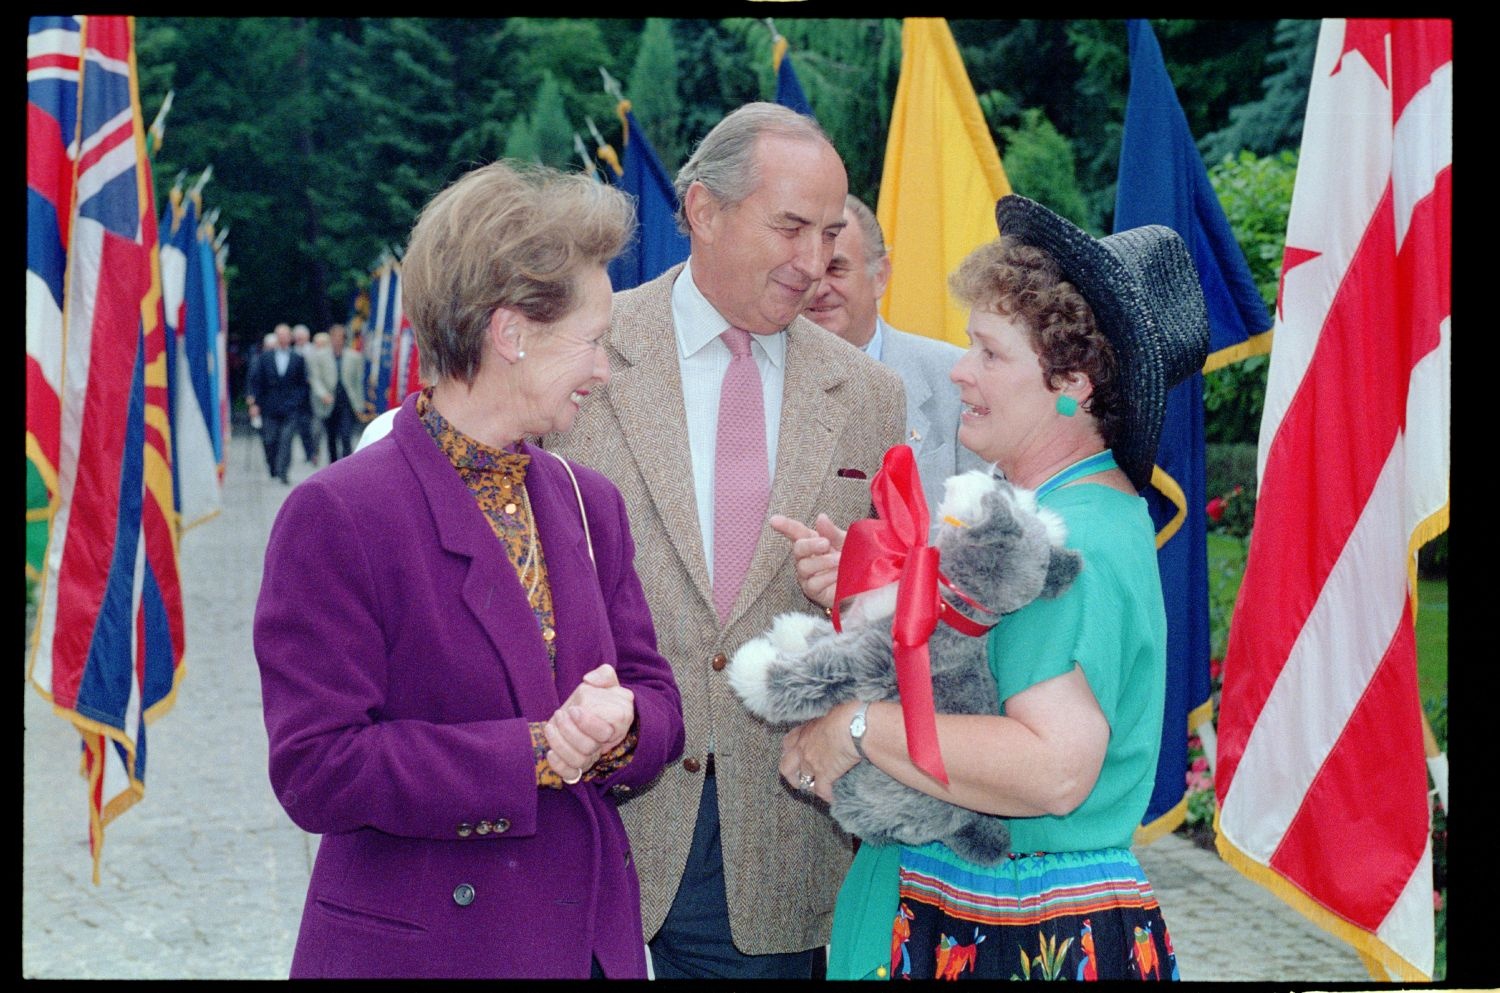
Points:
[(1066, 405)]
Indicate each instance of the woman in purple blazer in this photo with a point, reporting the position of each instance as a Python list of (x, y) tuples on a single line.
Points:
[(459, 670)]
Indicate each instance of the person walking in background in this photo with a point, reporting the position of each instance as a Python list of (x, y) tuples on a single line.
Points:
[(337, 379), (309, 428), (257, 423), (476, 683), (278, 389), (847, 303), (725, 404)]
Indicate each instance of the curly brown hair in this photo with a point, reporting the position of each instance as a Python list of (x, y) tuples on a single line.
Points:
[(1019, 280)]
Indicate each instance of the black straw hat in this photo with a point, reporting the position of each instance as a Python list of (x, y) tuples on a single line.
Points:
[(1143, 288)]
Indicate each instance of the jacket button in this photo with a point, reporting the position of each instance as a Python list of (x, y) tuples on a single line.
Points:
[(690, 764), (719, 662), (464, 830), (483, 827), (501, 825), (463, 894)]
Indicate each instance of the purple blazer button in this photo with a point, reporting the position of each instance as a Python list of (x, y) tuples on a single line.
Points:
[(483, 827), (501, 825), (463, 894), (464, 830)]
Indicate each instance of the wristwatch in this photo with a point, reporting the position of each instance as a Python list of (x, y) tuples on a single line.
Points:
[(857, 729)]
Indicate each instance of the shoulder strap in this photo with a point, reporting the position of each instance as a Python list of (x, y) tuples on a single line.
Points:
[(582, 511)]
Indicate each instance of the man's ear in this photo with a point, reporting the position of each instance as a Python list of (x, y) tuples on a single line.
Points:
[(702, 209), (504, 333), (882, 276)]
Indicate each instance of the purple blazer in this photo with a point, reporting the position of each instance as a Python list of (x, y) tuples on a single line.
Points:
[(400, 663)]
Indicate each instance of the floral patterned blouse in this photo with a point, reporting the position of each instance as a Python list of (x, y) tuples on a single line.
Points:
[(497, 478)]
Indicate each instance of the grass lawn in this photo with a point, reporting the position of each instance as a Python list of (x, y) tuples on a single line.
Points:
[(1432, 639)]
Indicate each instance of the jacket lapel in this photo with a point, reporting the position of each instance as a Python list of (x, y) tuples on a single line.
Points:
[(657, 431), (918, 392), (812, 418), (490, 591)]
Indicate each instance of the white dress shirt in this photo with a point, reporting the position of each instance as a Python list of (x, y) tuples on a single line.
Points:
[(703, 358)]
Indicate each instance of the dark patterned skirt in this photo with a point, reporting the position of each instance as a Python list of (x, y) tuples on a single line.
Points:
[(1070, 915)]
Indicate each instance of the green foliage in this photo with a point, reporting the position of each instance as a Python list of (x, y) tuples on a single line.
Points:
[(521, 143), (1227, 555), (328, 134), (1274, 122), (652, 91), (554, 135), (1256, 193), (1039, 164)]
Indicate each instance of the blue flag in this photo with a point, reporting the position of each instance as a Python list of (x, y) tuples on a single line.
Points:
[(657, 245), (1163, 181), (788, 88)]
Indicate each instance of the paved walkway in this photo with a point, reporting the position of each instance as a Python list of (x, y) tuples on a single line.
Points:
[(204, 878)]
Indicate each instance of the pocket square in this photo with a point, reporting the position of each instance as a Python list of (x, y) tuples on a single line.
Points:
[(852, 474)]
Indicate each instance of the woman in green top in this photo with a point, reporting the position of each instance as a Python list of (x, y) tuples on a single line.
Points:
[(1075, 342)]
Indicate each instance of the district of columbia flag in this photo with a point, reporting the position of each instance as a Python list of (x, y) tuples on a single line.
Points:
[(1321, 777), (108, 643), (1162, 180), (941, 179)]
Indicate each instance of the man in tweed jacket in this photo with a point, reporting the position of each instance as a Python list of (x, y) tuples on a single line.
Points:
[(738, 872)]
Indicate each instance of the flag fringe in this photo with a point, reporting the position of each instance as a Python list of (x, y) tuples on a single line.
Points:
[(1424, 532), (204, 519), (160, 707), (1379, 959), (1172, 490), (1200, 715), (1164, 825), (1256, 344)]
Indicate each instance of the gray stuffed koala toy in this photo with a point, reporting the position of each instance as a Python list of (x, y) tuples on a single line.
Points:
[(999, 547)]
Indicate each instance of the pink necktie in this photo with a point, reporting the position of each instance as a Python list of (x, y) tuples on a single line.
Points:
[(742, 486)]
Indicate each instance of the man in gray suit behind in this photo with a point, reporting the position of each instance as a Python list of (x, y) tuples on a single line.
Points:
[(847, 304), (738, 872)]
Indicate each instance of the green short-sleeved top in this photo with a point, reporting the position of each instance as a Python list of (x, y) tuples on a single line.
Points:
[(1113, 624)]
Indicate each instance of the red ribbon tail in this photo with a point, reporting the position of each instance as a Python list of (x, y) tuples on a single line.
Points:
[(914, 680)]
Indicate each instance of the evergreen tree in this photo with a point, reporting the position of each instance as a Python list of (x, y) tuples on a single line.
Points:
[(1274, 122), (1039, 164), (652, 91), (554, 135)]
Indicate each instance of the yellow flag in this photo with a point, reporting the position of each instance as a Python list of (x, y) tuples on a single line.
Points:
[(942, 178)]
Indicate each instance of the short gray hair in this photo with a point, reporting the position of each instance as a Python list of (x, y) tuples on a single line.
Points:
[(875, 249), (724, 161)]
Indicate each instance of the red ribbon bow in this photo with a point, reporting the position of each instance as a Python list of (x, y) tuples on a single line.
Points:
[(893, 547)]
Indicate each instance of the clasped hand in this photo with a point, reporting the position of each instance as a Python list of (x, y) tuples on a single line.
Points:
[(591, 721)]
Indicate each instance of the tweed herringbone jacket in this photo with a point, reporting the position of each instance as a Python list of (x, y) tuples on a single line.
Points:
[(784, 857)]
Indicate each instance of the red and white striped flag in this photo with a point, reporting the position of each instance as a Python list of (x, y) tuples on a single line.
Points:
[(1322, 780)]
